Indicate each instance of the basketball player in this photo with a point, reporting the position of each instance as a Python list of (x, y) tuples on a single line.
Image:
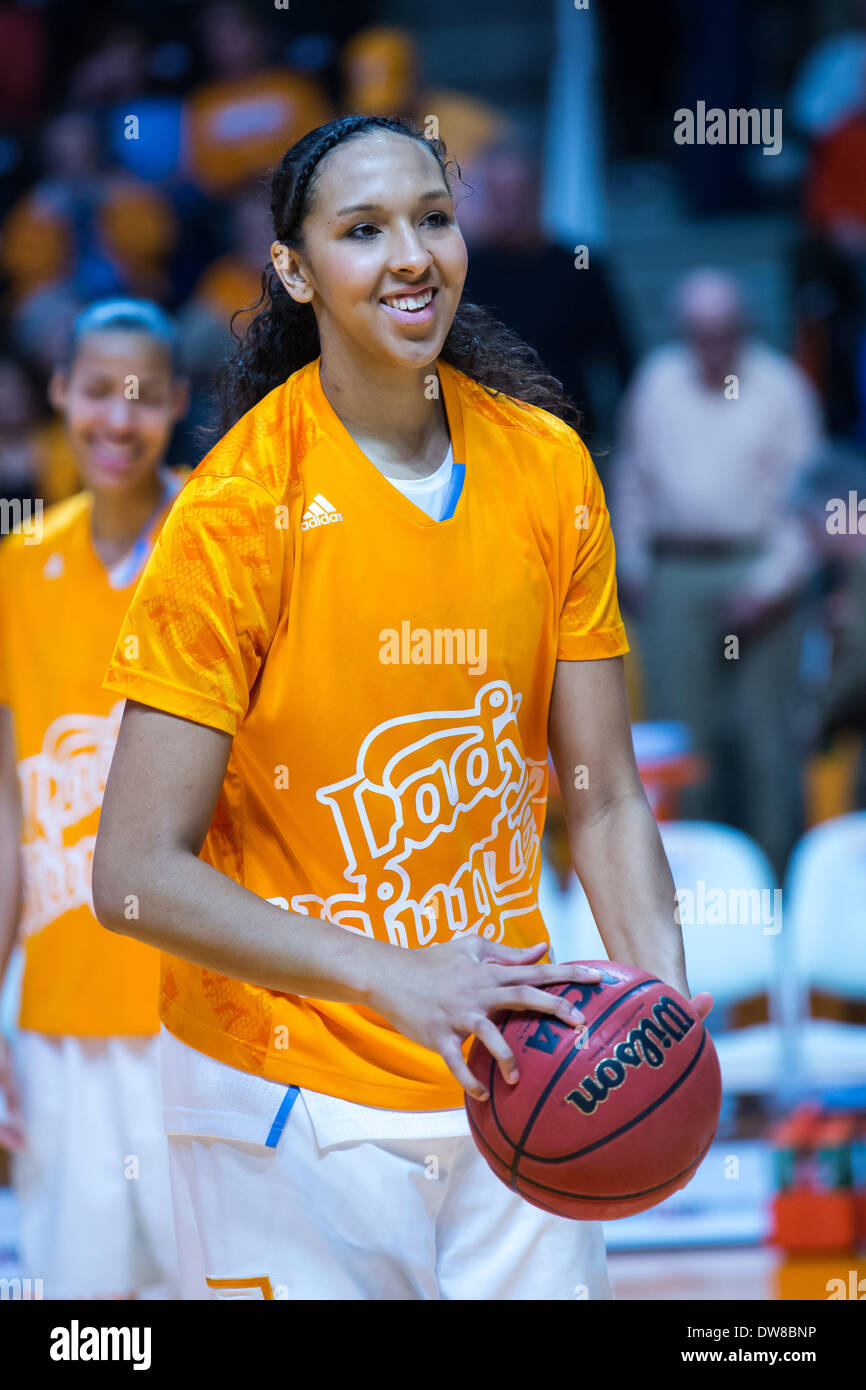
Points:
[(91, 1162), (375, 594)]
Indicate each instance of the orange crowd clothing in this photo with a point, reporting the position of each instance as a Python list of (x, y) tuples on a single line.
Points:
[(59, 619), (380, 69), (381, 72), (387, 680), (138, 229), (35, 246), (239, 128), (228, 285), (466, 124)]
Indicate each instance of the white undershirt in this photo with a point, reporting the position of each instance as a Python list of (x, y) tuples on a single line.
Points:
[(430, 493)]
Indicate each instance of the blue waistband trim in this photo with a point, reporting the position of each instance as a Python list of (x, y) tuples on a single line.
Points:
[(281, 1116)]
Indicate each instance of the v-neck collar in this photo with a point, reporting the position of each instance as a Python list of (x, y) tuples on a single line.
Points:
[(375, 479), (126, 571)]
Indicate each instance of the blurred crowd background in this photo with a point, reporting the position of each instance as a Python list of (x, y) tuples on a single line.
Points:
[(704, 305)]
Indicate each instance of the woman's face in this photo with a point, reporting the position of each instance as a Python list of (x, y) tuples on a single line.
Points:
[(381, 228), (120, 403)]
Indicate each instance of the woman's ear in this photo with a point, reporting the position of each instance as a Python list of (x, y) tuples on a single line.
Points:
[(292, 276), (58, 389)]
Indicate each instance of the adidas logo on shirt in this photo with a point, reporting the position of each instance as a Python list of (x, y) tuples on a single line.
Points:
[(319, 513)]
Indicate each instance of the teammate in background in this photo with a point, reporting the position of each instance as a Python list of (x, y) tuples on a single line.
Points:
[(384, 587), (85, 1117)]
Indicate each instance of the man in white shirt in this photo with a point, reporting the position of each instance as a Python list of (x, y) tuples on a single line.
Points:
[(716, 429)]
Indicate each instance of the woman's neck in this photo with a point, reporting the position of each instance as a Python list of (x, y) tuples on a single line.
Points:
[(117, 518), (393, 415)]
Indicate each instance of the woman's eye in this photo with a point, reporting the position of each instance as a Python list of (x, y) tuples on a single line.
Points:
[(365, 231)]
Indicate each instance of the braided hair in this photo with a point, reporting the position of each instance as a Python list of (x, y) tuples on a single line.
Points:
[(284, 335)]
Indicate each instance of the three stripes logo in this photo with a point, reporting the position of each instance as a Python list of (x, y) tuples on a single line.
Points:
[(319, 513)]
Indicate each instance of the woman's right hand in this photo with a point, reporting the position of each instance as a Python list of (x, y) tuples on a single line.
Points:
[(441, 995)]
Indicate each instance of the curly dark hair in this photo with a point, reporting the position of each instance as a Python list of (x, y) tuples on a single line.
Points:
[(284, 335)]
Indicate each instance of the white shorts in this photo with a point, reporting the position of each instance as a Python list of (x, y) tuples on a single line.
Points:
[(94, 1200), (364, 1219)]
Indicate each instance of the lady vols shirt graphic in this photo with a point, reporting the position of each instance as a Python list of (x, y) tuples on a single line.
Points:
[(386, 679), (60, 613)]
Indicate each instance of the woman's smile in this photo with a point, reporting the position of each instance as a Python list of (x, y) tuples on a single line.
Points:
[(411, 306)]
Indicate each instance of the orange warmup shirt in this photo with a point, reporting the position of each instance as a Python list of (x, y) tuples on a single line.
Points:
[(59, 619), (387, 681)]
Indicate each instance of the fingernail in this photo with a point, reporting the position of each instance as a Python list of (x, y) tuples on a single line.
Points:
[(513, 1076), (577, 1016)]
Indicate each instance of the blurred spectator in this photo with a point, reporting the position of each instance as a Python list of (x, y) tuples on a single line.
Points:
[(98, 230), (143, 128), (20, 461), (35, 456), (239, 124), (40, 325), (716, 430), (230, 284), (234, 282), (832, 495), (828, 87), (568, 315), (22, 62), (382, 74), (844, 704), (36, 247), (54, 228), (829, 100), (114, 71), (136, 227)]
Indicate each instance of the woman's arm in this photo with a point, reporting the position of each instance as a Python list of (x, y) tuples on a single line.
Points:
[(615, 843), (12, 1129), (10, 839), (148, 882)]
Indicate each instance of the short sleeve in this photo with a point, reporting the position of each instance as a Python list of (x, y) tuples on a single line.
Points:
[(207, 605), (590, 623)]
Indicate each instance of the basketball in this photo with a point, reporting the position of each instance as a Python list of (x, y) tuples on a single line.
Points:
[(614, 1124)]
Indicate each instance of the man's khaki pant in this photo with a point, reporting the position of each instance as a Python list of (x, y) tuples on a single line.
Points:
[(738, 697)]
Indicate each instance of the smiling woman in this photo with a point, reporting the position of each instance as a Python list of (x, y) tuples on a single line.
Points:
[(86, 1056), (299, 816), (318, 226)]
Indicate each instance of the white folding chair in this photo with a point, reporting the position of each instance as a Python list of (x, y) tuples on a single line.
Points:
[(825, 899)]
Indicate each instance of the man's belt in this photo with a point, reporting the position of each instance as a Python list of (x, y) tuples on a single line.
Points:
[(704, 548)]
